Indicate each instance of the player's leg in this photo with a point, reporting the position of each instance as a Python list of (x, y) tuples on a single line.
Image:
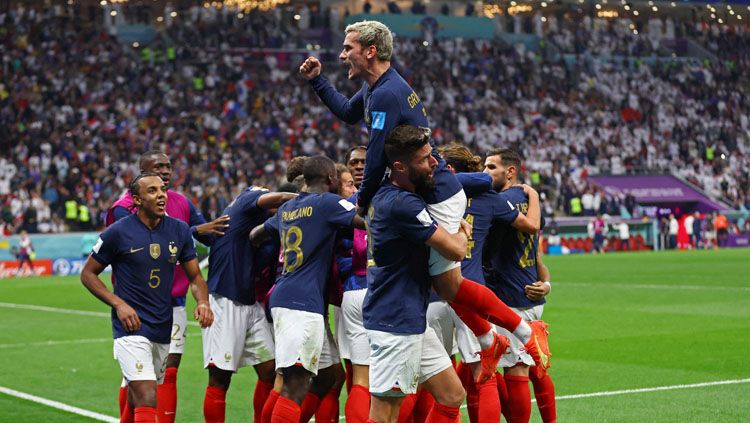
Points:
[(272, 398), (142, 363), (328, 409), (358, 402), (223, 346), (544, 388), (519, 395), (394, 372), (438, 376), (323, 382), (300, 336), (258, 352), (166, 393)]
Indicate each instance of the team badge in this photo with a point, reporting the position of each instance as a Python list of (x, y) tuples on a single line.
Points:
[(139, 367), (227, 357), (155, 250), (172, 252)]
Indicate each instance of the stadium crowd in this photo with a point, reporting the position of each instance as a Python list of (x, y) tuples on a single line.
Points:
[(77, 107)]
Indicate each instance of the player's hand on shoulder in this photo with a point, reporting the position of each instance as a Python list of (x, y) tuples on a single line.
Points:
[(537, 290), (528, 190), (204, 315), (128, 317), (310, 68), (214, 227)]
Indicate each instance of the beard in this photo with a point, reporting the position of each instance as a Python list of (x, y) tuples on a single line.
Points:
[(423, 182)]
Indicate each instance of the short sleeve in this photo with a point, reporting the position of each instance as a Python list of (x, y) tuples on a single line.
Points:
[(338, 211), (105, 249), (412, 219), (188, 246), (503, 210), (271, 225)]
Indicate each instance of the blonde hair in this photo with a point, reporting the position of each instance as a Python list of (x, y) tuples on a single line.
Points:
[(460, 158), (374, 33)]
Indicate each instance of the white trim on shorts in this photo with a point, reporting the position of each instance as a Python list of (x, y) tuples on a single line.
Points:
[(518, 354), (240, 335), (141, 359), (448, 214), (300, 336), (353, 341), (399, 363), (179, 330)]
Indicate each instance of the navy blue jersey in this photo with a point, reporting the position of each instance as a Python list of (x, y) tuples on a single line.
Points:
[(510, 257), (398, 226), (482, 211), (143, 262), (307, 227), (388, 103), (231, 259)]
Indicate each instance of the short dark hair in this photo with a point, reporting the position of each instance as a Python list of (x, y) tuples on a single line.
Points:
[(508, 157), (294, 169), (133, 188), (352, 150), (460, 158), (148, 155), (318, 167), (403, 141), (288, 187)]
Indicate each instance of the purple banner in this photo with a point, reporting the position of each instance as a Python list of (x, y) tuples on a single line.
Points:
[(737, 241), (664, 190)]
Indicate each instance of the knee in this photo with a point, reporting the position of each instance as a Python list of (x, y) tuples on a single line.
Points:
[(452, 396), (219, 378)]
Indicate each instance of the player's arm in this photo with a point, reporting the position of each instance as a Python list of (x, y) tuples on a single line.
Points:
[(376, 164), (531, 222), (451, 246), (274, 200), (199, 289), (539, 289), (264, 232), (206, 232), (474, 183), (90, 279), (350, 110)]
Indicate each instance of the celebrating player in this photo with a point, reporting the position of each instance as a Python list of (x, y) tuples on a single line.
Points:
[(510, 263), (179, 207), (144, 249)]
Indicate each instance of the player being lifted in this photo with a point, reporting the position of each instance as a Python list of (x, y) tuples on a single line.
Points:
[(144, 249), (306, 227), (386, 101)]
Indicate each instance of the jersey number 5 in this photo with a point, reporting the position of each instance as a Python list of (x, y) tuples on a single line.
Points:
[(290, 243), (154, 280)]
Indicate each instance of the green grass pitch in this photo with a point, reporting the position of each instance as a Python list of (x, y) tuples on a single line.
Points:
[(619, 322)]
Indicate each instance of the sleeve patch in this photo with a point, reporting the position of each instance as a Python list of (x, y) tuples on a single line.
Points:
[(424, 218), (346, 205), (378, 120)]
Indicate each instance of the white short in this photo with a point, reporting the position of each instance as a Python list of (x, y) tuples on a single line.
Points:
[(330, 353), (240, 335), (141, 359), (398, 363), (179, 329), (447, 214), (352, 335), (453, 332), (518, 352), (300, 336)]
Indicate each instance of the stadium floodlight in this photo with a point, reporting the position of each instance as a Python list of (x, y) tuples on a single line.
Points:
[(113, 13), (636, 13), (627, 7), (655, 9), (598, 6), (721, 21)]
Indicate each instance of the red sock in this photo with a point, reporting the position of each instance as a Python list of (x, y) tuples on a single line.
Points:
[(166, 396), (308, 407), (262, 390), (479, 298), (443, 414), (502, 390), (519, 398), (478, 325), (328, 410), (357, 409), (145, 415), (472, 395), (349, 375), (128, 414), (489, 402), (265, 416), (214, 405), (122, 399), (406, 412), (424, 404), (285, 411), (544, 392)]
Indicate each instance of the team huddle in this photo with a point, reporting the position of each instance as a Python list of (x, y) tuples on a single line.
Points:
[(422, 253)]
